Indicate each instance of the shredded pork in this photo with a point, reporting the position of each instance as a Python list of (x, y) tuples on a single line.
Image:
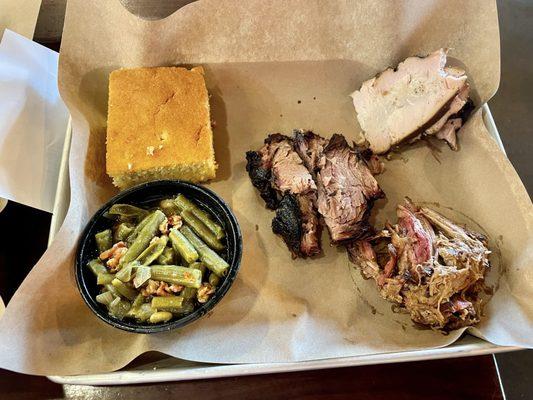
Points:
[(428, 265)]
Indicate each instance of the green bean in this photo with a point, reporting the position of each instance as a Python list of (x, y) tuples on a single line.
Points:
[(185, 204), (104, 278), (136, 305), (145, 312), (142, 274), (179, 275), (144, 237), (127, 211), (104, 240), (141, 313), (133, 235), (195, 245), (105, 298), (217, 230), (214, 279), (123, 231), (187, 307), (169, 207), (154, 250), (211, 259), (182, 246), (200, 266), (188, 293), (126, 273), (124, 289), (110, 288), (96, 267), (160, 316), (119, 308), (138, 301), (164, 303), (167, 257), (201, 230)]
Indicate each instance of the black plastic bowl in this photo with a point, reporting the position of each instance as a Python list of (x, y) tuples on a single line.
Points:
[(147, 195)]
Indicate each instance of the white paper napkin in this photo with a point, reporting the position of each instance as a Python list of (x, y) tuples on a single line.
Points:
[(33, 121)]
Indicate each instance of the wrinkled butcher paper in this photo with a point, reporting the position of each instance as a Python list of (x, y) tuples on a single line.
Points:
[(273, 66)]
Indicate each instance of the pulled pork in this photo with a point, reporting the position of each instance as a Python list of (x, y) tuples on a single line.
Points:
[(428, 265)]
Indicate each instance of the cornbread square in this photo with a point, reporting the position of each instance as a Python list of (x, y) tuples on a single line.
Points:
[(158, 126)]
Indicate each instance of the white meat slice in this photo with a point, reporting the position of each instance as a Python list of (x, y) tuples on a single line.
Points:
[(456, 105), (447, 132), (403, 102)]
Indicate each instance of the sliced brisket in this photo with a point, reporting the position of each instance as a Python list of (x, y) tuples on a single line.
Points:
[(260, 176), (288, 223), (289, 174), (311, 228), (313, 175), (309, 146), (278, 172), (346, 187)]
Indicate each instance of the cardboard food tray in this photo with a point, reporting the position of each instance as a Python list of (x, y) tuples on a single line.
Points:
[(160, 369)]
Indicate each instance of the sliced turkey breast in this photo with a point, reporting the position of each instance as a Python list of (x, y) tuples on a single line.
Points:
[(417, 97)]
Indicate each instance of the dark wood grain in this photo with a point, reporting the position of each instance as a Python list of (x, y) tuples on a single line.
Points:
[(15, 386), (465, 378)]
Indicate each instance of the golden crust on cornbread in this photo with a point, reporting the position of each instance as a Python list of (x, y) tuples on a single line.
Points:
[(158, 126)]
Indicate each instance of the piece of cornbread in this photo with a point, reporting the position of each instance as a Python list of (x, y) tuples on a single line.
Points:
[(158, 126)]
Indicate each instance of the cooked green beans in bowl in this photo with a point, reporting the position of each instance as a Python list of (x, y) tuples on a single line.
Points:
[(156, 262)]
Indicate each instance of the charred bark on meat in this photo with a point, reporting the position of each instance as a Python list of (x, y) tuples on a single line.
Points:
[(288, 223), (260, 178)]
